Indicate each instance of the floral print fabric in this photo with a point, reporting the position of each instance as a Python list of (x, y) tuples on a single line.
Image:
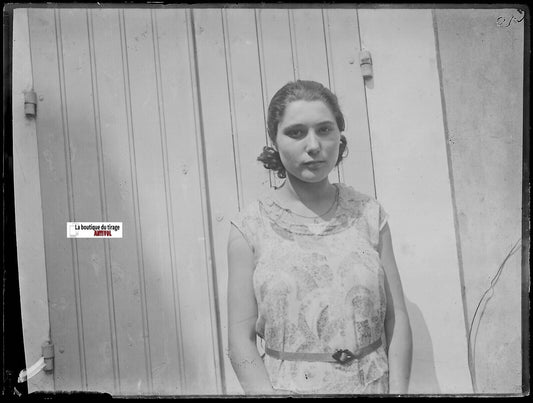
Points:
[(319, 290)]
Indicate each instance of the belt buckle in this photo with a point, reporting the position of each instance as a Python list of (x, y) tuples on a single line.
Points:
[(343, 356)]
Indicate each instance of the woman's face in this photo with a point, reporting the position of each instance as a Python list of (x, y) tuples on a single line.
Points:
[(308, 140)]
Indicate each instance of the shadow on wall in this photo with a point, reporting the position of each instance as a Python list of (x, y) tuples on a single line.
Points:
[(423, 375)]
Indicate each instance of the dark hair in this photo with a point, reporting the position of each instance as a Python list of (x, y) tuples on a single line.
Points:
[(296, 91)]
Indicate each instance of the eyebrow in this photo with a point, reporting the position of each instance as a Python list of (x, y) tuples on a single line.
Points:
[(298, 125)]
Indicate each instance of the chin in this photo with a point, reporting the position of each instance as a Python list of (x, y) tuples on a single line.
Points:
[(312, 178), (309, 176)]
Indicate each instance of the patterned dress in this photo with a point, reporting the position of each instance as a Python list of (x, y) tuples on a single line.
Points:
[(319, 290)]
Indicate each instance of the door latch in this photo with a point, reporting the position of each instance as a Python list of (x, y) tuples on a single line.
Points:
[(365, 60)]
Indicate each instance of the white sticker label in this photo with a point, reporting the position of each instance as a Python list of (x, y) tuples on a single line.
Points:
[(94, 230)]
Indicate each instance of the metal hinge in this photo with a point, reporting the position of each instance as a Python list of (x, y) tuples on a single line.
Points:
[(365, 60), (47, 349), (46, 362), (30, 103)]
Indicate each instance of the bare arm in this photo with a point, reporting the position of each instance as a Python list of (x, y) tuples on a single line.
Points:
[(397, 326), (242, 316)]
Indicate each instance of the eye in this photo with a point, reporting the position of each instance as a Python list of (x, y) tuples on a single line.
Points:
[(325, 129), (296, 132)]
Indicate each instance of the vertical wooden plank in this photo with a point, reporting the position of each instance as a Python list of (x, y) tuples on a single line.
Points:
[(168, 197), (195, 339), (244, 84), (222, 192), (69, 371), (412, 182), (87, 198), (342, 43), (275, 50), (124, 262), (308, 36), (152, 199), (28, 212), (135, 196), (248, 129), (103, 196)]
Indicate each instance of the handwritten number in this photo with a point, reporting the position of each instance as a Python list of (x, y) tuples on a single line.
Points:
[(523, 15), (500, 21)]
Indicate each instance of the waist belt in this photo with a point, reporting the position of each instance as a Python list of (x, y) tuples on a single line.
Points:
[(339, 356)]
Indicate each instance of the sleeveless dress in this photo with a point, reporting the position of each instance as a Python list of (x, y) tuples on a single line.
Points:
[(319, 290)]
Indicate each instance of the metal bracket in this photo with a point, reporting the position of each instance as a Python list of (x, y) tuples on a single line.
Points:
[(365, 60), (47, 349), (30, 103)]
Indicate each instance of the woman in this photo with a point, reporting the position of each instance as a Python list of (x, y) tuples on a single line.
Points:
[(311, 268)]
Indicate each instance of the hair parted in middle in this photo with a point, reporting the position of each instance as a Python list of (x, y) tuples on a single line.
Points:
[(299, 90)]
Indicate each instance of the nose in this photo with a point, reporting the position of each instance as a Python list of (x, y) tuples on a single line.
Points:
[(312, 145)]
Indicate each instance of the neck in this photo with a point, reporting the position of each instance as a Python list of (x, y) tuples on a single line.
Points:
[(309, 193)]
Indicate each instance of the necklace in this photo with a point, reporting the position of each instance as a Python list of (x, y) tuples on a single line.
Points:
[(316, 224)]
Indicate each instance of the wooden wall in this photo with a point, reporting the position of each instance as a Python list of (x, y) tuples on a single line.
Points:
[(155, 118)]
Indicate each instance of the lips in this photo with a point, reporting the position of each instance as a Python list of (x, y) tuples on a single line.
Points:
[(313, 164)]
